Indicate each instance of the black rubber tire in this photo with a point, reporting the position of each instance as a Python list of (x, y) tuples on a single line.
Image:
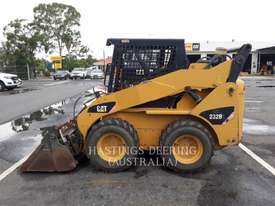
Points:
[(125, 130), (190, 127), (2, 87)]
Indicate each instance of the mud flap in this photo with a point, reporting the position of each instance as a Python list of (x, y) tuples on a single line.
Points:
[(50, 155)]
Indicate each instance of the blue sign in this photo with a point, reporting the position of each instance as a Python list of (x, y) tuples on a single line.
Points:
[(49, 65)]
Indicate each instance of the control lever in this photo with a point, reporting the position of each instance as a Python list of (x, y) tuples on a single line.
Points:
[(97, 93)]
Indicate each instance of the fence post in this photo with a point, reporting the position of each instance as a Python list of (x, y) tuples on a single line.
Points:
[(28, 70)]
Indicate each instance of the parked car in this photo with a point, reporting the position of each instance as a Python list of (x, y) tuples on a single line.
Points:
[(9, 81), (79, 73), (61, 74), (95, 73)]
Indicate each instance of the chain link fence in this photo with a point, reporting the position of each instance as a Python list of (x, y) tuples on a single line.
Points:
[(22, 71)]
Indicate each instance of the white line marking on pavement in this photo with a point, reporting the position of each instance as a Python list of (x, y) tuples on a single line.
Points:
[(55, 83), (14, 166), (258, 159), (253, 101)]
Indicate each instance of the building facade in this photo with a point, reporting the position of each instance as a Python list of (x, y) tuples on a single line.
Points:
[(262, 54)]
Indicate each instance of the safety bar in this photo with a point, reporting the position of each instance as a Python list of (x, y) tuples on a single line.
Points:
[(238, 61), (233, 50)]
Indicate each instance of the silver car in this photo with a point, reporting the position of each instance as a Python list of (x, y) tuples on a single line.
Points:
[(95, 74)]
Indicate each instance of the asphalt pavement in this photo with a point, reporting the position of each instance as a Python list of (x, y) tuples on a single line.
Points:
[(36, 94), (232, 178)]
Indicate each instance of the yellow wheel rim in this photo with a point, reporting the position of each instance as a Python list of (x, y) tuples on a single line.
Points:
[(187, 149), (111, 147)]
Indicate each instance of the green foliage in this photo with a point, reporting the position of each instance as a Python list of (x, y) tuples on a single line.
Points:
[(41, 64), (21, 43), (71, 62), (59, 24), (55, 27)]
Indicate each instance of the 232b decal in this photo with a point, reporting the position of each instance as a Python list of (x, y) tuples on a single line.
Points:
[(218, 115), (215, 116)]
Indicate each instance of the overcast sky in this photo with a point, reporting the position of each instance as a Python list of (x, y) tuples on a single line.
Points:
[(194, 20)]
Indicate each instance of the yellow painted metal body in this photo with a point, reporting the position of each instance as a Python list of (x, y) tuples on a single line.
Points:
[(149, 122)]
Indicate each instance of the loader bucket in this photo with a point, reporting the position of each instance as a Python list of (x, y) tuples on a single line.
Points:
[(50, 155)]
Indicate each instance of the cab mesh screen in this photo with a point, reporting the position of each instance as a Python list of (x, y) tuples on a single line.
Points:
[(139, 63)]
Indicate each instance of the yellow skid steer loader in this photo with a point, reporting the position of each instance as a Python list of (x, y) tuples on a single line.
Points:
[(154, 99)]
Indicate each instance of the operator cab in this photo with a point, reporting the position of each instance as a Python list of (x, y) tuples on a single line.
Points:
[(136, 60)]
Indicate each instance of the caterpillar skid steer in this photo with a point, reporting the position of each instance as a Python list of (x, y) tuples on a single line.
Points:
[(154, 99)]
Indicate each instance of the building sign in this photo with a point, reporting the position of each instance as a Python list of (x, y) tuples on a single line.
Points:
[(49, 65), (57, 61), (196, 46), (189, 47)]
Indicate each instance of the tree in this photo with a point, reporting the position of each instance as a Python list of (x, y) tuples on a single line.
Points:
[(60, 25), (55, 26), (71, 61), (22, 41), (2, 56)]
